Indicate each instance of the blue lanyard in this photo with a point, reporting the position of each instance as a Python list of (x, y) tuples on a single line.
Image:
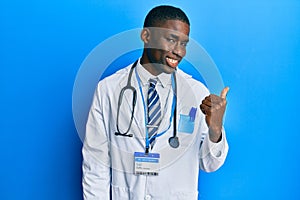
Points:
[(145, 110)]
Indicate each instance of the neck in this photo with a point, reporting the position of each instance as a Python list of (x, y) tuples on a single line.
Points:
[(150, 67)]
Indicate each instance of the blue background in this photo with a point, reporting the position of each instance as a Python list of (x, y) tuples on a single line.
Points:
[(255, 45)]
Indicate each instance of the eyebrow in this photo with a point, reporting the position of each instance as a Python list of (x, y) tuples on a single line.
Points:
[(177, 37)]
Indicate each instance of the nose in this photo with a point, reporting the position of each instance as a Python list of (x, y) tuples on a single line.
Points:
[(179, 50)]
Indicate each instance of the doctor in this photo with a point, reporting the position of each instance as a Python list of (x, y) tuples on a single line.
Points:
[(151, 126)]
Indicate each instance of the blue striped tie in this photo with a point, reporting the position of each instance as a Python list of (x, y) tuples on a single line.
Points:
[(154, 111)]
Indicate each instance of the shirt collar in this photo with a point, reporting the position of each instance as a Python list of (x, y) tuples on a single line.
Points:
[(163, 79)]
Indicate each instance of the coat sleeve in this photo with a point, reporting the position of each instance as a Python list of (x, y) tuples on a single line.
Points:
[(212, 155), (95, 151)]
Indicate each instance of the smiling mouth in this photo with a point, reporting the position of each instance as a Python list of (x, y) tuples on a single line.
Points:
[(172, 62)]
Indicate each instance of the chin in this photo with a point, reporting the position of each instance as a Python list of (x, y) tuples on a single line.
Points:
[(169, 69)]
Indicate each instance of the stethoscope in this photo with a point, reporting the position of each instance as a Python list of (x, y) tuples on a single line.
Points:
[(173, 140)]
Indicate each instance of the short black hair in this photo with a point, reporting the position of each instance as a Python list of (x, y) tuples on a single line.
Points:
[(162, 13)]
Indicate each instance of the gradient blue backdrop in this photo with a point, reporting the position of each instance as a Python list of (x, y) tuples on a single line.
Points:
[(255, 44)]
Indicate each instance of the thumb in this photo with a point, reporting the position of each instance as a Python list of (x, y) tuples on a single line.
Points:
[(224, 92)]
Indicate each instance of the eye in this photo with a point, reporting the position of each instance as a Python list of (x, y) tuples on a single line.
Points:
[(171, 40), (184, 44)]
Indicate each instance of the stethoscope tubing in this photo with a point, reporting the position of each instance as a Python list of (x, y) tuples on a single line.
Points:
[(173, 141)]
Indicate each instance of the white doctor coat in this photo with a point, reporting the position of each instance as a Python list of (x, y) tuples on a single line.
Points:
[(108, 160)]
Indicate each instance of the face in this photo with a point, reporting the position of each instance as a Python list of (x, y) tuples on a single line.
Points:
[(165, 46)]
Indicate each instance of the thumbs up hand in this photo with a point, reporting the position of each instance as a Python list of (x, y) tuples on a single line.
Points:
[(213, 107)]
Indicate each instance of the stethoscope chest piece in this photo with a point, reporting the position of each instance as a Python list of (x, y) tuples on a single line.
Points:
[(174, 142)]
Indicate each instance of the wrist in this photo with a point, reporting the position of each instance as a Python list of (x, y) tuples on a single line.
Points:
[(215, 134)]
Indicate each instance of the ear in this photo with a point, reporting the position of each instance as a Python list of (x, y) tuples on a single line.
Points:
[(145, 35)]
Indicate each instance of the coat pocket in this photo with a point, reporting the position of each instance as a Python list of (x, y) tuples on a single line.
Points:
[(185, 124), (120, 193)]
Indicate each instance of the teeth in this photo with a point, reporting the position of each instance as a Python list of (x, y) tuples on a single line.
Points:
[(172, 60)]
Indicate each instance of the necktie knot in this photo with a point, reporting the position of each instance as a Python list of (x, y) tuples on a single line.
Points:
[(152, 82)]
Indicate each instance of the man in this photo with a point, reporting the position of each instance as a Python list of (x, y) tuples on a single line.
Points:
[(146, 137)]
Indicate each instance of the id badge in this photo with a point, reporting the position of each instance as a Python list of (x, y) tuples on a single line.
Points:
[(146, 164)]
